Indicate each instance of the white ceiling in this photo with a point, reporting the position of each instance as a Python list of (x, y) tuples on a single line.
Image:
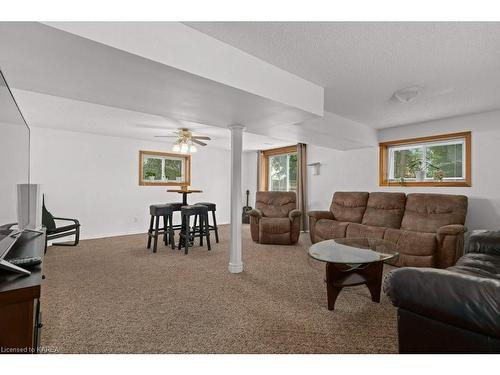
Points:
[(361, 64), (65, 81), (41, 110)]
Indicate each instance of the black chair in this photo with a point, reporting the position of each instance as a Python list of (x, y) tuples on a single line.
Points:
[(187, 234), (157, 211), (211, 208), (53, 231)]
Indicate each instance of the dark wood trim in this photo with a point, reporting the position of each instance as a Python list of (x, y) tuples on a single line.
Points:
[(187, 169), (383, 160), (19, 299)]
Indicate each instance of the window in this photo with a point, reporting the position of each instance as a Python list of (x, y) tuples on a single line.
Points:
[(280, 169), (431, 161), (164, 169)]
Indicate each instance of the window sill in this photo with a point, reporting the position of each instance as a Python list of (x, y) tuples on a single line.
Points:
[(427, 183), (162, 183)]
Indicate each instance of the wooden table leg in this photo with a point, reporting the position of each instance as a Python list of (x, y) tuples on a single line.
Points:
[(339, 276), (373, 274), (332, 291)]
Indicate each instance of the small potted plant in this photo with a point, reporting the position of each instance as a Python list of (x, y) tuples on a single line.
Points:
[(150, 175), (419, 167), (438, 175)]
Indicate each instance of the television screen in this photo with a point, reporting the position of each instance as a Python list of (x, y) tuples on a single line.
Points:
[(14, 154)]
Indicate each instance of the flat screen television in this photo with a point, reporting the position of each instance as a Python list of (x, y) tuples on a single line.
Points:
[(14, 166)]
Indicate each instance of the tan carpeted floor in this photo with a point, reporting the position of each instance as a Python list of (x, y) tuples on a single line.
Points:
[(113, 295)]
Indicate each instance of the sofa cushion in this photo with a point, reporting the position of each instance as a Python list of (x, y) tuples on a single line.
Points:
[(429, 212), (406, 260), (327, 229), (385, 210), (349, 206), (417, 249), (274, 225), (274, 231), (275, 204), (413, 243), (364, 231)]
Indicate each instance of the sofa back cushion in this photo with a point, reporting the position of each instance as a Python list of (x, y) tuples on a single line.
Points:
[(349, 205), (385, 210), (429, 212), (275, 203)]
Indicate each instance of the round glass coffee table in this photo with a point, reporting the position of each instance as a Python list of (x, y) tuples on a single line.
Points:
[(353, 261)]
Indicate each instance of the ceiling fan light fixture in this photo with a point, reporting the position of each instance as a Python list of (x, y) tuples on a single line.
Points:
[(185, 142)]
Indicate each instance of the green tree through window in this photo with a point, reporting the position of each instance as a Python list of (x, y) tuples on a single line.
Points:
[(151, 169), (446, 158), (283, 172), (173, 169)]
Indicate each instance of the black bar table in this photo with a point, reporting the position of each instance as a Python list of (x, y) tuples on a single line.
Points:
[(184, 191)]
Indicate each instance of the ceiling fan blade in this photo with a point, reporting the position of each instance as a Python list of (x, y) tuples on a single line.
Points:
[(165, 136), (198, 142), (201, 137)]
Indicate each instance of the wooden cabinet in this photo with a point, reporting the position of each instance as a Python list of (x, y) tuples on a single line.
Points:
[(20, 316)]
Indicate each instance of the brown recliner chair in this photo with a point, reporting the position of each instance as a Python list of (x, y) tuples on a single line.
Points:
[(275, 219)]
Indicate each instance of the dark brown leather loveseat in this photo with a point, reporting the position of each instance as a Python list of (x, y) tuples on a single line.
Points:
[(275, 219), (456, 310), (427, 228)]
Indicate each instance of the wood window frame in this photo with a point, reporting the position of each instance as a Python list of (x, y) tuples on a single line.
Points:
[(187, 169), (384, 158), (264, 168)]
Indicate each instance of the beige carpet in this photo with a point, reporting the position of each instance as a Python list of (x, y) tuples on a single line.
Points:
[(114, 296)]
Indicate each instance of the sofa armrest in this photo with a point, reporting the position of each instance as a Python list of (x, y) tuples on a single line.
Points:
[(450, 240), (466, 301), (486, 242), (294, 214), (314, 216), (451, 230), (255, 213), (320, 215), (255, 216)]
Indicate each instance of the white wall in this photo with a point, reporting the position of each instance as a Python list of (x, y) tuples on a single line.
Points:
[(94, 178), (249, 176), (14, 167), (358, 169)]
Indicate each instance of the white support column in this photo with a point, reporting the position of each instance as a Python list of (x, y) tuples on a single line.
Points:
[(235, 262)]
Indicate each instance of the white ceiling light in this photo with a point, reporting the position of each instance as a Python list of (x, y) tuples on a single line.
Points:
[(185, 141), (406, 95)]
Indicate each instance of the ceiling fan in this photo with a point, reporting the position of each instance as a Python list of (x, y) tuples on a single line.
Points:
[(185, 140)]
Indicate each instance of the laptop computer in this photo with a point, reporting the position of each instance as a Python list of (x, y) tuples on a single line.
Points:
[(8, 238)]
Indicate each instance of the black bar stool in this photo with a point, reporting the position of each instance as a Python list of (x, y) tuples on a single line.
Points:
[(201, 231), (211, 208), (176, 207), (157, 211)]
